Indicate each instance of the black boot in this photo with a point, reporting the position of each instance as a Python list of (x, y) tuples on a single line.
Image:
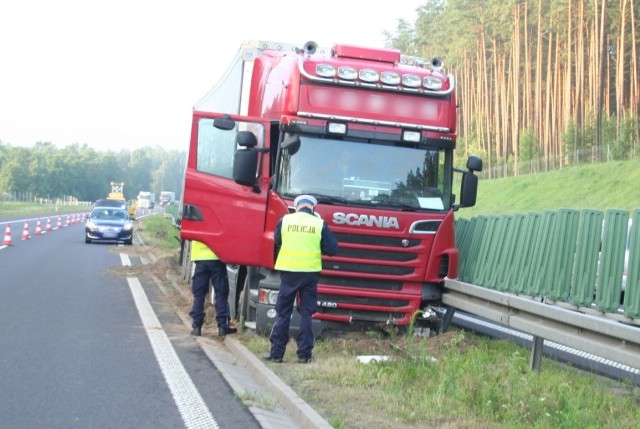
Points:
[(197, 331), (226, 330), (272, 358)]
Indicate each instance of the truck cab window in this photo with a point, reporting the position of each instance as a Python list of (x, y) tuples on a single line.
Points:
[(216, 149)]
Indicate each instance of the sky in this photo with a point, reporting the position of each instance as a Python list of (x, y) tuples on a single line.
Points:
[(125, 74)]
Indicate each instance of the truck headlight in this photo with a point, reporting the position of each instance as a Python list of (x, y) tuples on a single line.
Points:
[(267, 296)]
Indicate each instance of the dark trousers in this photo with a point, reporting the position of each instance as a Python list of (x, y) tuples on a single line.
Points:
[(305, 287), (206, 273)]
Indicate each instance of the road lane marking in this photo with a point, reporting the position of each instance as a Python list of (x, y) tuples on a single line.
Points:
[(193, 409)]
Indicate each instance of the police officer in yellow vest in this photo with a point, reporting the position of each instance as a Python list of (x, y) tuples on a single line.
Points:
[(209, 269), (301, 238)]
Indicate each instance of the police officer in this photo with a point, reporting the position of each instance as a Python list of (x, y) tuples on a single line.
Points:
[(300, 240), (209, 269)]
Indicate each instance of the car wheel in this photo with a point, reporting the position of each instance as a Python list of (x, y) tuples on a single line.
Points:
[(87, 240), (129, 242)]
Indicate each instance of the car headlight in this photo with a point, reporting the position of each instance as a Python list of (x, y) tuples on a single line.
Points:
[(128, 227), (91, 225)]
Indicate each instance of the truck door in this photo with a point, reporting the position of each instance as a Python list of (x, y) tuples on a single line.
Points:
[(227, 216)]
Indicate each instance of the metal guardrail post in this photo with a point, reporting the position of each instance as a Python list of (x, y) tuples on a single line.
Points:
[(536, 353)]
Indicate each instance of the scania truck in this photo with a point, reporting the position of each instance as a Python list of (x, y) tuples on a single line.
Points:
[(371, 134)]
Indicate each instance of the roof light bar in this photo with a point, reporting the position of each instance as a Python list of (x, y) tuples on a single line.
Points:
[(347, 73), (325, 70), (388, 80)]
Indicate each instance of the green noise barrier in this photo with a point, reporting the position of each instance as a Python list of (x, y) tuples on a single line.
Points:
[(566, 255), (586, 262), (562, 255), (611, 266), (632, 287), (506, 272), (523, 252)]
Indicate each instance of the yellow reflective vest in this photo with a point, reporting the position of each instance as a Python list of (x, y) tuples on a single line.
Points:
[(300, 251), (201, 252)]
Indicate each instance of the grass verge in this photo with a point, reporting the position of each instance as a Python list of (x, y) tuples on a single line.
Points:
[(16, 208), (454, 380)]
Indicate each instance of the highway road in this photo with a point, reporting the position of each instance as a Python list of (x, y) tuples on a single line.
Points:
[(84, 345)]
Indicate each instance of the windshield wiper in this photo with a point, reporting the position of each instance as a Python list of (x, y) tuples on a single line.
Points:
[(383, 203), (330, 199)]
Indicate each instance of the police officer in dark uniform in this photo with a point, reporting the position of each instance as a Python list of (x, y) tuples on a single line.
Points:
[(209, 269), (301, 238)]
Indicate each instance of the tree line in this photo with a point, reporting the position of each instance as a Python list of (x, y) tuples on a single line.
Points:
[(541, 83), (77, 170)]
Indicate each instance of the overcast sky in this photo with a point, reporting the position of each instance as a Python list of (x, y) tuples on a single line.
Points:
[(126, 73)]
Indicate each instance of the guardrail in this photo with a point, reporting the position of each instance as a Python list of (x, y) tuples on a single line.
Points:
[(593, 334), (556, 275)]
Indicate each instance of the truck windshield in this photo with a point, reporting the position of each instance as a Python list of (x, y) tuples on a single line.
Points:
[(355, 173)]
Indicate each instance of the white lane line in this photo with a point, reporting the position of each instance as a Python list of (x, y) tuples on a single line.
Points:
[(192, 407), (124, 258)]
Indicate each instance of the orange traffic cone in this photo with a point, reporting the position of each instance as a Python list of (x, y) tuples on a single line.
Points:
[(68, 220), (48, 224), (38, 228), (7, 237), (25, 231), (59, 224)]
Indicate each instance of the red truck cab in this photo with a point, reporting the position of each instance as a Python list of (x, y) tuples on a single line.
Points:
[(370, 133)]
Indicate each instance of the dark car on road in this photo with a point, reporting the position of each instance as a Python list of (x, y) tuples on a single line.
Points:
[(109, 224)]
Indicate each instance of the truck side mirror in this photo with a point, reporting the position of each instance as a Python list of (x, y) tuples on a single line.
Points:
[(245, 161), (468, 189), (469, 186), (224, 123), (291, 144), (474, 163)]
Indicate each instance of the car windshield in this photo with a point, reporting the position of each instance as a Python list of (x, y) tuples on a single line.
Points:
[(108, 214), (354, 173), (110, 203)]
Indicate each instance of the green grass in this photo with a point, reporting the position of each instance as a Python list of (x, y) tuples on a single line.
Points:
[(595, 186), (455, 380), (158, 231), (15, 208)]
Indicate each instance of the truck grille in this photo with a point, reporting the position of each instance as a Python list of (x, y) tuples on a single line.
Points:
[(361, 283), (367, 268), (363, 260), (361, 300), (370, 263), (375, 240)]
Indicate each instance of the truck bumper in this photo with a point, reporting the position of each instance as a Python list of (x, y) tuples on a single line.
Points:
[(266, 316)]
